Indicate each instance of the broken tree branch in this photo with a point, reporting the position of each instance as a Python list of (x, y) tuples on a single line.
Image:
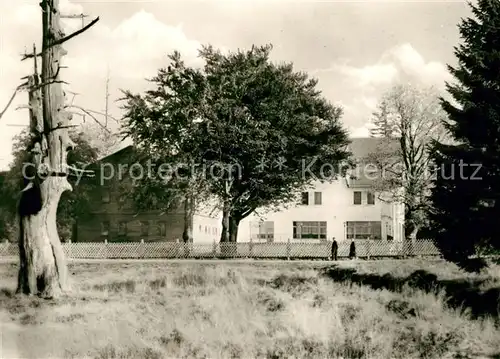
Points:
[(23, 107), (64, 39), (78, 32), (47, 83), (62, 127)]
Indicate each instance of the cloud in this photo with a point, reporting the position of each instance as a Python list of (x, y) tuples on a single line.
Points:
[(368, 75), (135, 46), (400, 63), (359, 88), (413, 65), (363, 131), (132, 50), (135, 49)]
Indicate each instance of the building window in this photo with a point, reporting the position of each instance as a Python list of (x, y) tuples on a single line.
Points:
[(122, 228), (206, 229), (364, 230), (317, 198), (305, 198), (199, 227), (144, 228), (266, 231), (357, 197), (370, 171), (123, 198), (105, 228), (370, 198), (306, 230), (105, 195), (162, 228)]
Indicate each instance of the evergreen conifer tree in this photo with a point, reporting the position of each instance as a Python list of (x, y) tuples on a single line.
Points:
[(383, 126), (466, 193)]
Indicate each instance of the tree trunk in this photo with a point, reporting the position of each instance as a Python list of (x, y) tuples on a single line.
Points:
[(43, 268), (187, 234), (234, 223), (224, 238), (74, 232), (410, 239)]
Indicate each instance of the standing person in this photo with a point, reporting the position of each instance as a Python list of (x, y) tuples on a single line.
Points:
[(352, 250), (335, 248)]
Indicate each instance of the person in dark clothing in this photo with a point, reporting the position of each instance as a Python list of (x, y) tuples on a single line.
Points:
[(352, 250), (335, 248)]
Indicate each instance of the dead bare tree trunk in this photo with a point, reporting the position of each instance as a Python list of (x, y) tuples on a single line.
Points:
[(43, 268)]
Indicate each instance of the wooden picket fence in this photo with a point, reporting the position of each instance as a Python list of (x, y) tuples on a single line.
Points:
[(279, 250)]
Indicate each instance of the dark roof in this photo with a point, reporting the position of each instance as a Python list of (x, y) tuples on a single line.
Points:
[(361, 147), (122, 151)]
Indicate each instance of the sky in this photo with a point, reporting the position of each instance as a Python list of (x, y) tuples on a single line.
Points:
[(357, 50)]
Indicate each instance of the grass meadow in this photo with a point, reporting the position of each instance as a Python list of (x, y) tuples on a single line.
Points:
[(257, 309)]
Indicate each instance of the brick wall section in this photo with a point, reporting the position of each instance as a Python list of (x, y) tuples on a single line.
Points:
[(89, 230)]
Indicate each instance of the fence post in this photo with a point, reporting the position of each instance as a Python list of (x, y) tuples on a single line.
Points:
[(142, 249), (368, 252), (105, 249), (214, 249), (250, 248), (288, 249)]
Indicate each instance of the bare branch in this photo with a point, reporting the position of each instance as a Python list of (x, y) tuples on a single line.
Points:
[(92, 116), (73, 98), (46, 84), (64, 39), (18, 88), (23, 107), (96, 112), (16, 125), (73, 16), (62, 127), (78, 32)]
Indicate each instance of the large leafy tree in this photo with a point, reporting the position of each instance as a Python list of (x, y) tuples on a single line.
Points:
[(254, 132), (73, 205), (466, 195), (165, 126)]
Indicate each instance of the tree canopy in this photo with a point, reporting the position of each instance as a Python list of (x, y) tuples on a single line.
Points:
[(466, 194), (247, 131)]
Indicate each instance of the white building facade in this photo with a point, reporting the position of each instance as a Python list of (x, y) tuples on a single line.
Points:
[(329, 210), (344, 209)]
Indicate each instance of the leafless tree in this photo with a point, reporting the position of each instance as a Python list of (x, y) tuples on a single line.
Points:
[(43, 268), (414, 118)]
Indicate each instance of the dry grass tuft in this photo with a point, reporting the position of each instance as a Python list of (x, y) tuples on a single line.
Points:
[(251, 310)]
